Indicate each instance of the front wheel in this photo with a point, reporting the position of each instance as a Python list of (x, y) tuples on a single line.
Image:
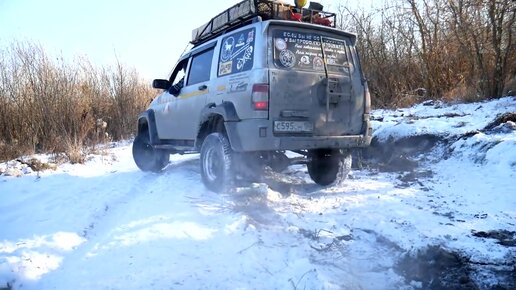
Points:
[(146, 157), (217, 168), (328, 167)]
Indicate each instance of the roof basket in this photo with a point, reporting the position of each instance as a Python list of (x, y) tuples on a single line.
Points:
[(247, 10)]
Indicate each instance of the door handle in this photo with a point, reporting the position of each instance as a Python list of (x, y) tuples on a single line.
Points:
[(203, 87)]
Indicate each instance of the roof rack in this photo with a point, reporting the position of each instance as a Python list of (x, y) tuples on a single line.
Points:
[(248, 10)]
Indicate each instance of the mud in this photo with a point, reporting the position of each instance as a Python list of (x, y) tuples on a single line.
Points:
[(433, 267), (500, 120), (397, 155), (405, 154), (414, 177), (436, 268), (503, 237)]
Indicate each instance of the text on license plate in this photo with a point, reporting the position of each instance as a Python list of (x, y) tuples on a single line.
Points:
[(293, 126)]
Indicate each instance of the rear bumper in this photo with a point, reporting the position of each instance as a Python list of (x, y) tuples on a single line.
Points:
[(257, 135)]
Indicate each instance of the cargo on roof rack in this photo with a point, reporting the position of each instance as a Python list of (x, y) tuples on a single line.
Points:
[(248, 10)]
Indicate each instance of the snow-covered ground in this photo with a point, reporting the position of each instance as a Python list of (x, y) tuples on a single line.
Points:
[(450, 222)]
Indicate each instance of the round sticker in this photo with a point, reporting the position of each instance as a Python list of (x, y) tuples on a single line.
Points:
[(280, 43), (305, 59), (227, 49), (318, 63), (287, 58)]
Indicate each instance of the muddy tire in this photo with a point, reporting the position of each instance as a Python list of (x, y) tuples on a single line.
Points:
[(329, 167), (217, 168), (146, 157)]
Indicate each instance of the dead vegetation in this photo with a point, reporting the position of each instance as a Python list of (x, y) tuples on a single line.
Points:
[(52, 106), (500, 120), (456, 50), (411, 50), (38, 165)]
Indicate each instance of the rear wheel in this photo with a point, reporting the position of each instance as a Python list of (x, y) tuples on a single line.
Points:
[(146, 157), (328, 167), (217, 168)]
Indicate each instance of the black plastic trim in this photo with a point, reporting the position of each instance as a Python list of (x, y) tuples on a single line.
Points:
[(149, 117)]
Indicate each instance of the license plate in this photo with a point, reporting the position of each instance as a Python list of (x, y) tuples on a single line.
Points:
[(293, 126)]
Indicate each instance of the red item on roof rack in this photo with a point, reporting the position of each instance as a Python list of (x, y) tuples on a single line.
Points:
[(247, 10)]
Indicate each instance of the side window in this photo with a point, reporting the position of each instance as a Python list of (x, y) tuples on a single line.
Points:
[(178, 77), (237, 52), (201, 67), (179, 71)]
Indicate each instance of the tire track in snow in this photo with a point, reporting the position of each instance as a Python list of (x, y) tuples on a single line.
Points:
[(142, 185)]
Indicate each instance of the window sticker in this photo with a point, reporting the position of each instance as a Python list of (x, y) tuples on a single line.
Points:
[(225, 68), (287, 58), (237, 52), (304, 51)]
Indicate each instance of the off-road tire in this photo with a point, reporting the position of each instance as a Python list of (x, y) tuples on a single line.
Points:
[(329, 167), (146, 157), (217, 168)]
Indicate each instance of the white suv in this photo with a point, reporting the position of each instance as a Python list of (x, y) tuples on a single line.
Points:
[(255, 86)]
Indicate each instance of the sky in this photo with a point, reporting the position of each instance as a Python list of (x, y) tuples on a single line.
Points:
[(148, 36)]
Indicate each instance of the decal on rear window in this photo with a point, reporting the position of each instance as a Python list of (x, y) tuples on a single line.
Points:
[(303, 51), (237, 52)]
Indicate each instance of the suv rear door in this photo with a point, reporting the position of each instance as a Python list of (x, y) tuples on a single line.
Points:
[(314, 87)]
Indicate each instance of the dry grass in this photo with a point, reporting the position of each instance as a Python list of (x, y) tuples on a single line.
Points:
[(52, 106)]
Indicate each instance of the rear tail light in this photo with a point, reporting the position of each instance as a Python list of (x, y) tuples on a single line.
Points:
[(260, 96), (367, 98)]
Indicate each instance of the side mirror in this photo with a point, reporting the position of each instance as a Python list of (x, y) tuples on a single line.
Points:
[(161, 84)]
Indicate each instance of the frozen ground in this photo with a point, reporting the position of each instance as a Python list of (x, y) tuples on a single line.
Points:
[(433, 207)]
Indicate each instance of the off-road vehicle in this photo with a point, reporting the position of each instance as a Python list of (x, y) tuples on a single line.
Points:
[(261, 78)]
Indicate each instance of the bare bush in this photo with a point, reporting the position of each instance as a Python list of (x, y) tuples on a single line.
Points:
[(53, 106), (455, 49)]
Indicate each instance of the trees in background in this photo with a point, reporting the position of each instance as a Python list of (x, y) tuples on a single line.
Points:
[(451, 49)]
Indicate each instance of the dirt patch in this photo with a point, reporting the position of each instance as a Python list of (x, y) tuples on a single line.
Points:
[(37, 165), (436, 268), (405, 154), (503, 237), (501, 119), (397, 155), (413, 177), (445, 115)]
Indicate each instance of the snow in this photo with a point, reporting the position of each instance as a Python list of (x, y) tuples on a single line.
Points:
[(107, 225), (439, 119)]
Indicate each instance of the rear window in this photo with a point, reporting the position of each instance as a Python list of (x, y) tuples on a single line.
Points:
[(303, 51)]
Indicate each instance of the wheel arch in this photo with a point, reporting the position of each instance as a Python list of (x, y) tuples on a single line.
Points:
[(147, 121), (213, 119)]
